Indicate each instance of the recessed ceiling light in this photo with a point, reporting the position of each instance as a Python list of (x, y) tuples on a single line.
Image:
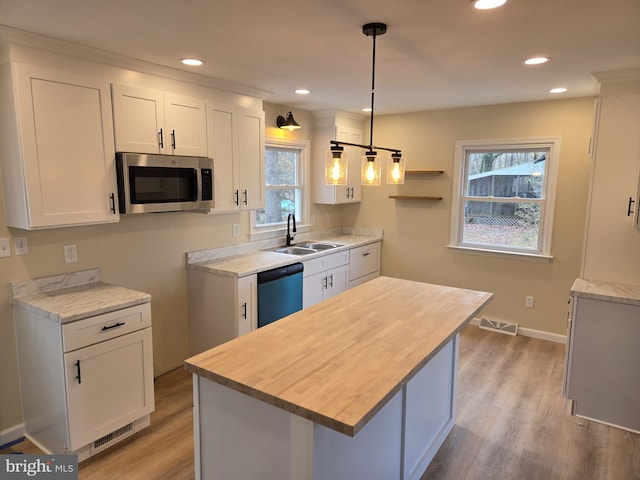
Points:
[(366, 109), (488, 4), (192, 62), (558, 90), (536, 60), (302, 91)]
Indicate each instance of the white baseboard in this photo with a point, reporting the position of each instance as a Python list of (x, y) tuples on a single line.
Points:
[(530, 332), (11, 434)]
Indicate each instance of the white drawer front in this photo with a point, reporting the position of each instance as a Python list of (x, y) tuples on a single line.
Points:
[(103, 327), (364, 260), (337, 259), (317, 265), (311, 267)]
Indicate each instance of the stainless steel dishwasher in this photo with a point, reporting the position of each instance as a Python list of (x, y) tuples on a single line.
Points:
[(279, 293)]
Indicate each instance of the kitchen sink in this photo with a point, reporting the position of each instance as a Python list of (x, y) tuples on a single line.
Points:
[(307, 248), (319, 245), (295, 250)]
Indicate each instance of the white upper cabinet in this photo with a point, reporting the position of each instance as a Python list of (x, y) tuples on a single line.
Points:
[(236, 144), (345, 129), (57, 148), (150, 121)]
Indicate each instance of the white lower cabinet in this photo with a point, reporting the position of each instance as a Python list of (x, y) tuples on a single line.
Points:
[(221, 308), (602, 364), (85, 384), (364, 264), (325, 277)]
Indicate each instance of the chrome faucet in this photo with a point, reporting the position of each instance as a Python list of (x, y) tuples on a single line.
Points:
[(290, 236)]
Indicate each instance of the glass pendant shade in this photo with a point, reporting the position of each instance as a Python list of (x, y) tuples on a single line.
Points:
[(335, 170), (370, 169), (395, 169)]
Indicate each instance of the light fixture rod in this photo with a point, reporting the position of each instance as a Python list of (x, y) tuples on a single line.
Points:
[(338, 143), (373, 29), (373, 91)]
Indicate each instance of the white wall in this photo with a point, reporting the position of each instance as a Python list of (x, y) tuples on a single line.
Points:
[(416, 233)]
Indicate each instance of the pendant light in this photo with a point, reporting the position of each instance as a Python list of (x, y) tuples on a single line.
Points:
[(370, 170), (396, 169), (335, 170)]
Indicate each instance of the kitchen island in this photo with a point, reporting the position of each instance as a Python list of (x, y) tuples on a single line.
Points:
[(361, 385)]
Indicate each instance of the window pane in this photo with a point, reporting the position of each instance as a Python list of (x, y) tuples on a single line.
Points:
[(502, 224), (279, 204), (506, 174), (281, 166)]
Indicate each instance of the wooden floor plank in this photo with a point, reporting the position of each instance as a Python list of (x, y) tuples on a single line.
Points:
[(512, 423)]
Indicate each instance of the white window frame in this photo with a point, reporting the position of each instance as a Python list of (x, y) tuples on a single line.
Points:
[(303, 224), (547, 204)]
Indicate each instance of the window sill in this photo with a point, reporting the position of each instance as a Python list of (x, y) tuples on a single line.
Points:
[(268, 233), (534, 257)]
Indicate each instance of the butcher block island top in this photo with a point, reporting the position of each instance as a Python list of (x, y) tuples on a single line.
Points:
[(339, 362)]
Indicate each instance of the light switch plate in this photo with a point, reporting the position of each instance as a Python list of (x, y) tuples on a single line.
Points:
[(20, 245), (5, 247)]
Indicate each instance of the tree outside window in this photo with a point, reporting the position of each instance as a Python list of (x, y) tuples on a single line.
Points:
[(284, 186), (505, 197)]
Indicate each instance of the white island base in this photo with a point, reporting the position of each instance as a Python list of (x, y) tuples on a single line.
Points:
[(240, 437)]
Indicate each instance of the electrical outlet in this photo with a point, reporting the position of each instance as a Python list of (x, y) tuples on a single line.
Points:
[(20, 245), (5, 247), (70, 254), (236, 230), (528, 301)]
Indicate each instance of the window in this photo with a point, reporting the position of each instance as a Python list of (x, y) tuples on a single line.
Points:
[(503, 196), (286, 165)]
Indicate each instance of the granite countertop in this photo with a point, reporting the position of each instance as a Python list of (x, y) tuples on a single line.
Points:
[(255, 261), (69, 297), (611, 292), (338, 362)]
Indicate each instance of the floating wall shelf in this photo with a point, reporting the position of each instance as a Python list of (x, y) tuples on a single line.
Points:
[(424, 172), (414, 197), (419, 197)]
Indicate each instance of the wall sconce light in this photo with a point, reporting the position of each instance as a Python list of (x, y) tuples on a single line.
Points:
[(335, 169), (288, 123)]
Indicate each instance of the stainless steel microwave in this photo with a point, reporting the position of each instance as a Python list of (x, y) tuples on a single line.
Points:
[(150, 183)]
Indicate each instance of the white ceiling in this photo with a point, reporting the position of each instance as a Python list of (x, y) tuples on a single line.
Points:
[(435, 54)]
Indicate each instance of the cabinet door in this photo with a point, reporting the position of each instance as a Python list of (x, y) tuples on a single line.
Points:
[(352, 192), (251, 159), (67, 150), (222, 141), (109, 385), (186, 120), (313, 288), (247, 304), (138, 119), (337, 281)]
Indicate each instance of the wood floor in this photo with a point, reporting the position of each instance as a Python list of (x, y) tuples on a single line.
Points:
[(512, 423)]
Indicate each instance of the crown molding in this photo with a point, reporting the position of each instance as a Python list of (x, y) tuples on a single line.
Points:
[(14, 36)]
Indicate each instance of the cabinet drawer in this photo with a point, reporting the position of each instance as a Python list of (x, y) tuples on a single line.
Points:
[(103, 327), (364, 260), (317, 265)]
